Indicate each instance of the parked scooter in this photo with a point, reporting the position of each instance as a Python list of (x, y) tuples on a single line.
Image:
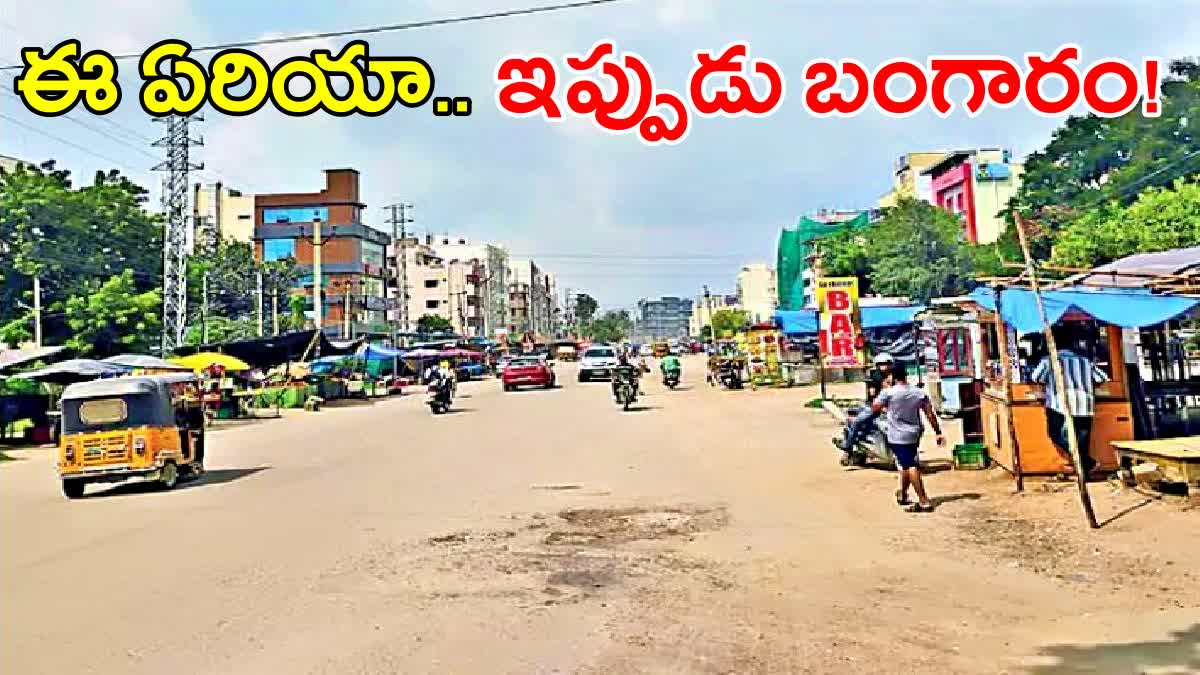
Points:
[(439, 394), (872, 449)]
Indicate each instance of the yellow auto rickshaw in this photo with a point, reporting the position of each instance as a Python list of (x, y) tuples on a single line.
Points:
[(149, 427), (661, 349)]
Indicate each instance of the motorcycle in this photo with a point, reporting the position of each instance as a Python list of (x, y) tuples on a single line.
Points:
[(873, 448), (730, 376), (438, 397), (671, 378), (626, 392)]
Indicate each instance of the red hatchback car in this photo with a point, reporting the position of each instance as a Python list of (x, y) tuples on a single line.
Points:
[(527, 371)]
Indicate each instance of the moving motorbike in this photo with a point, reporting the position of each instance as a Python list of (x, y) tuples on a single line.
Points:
[(438, 396), (671, 378), (625, 386), (871, 449)]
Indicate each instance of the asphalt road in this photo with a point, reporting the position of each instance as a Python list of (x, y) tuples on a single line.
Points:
[(536, 531)]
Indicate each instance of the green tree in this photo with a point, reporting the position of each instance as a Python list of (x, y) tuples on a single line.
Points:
[(726, 322), (72, 239), (221, 329), (297, 304), (1091, 161), (612, 326), (918, 251), (915, 250), (1159, 220), (844, 254), (585, 308), (432, 323), (114, 318)]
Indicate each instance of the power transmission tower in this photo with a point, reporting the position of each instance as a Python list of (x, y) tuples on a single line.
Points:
[(177, 142), (399, 221)]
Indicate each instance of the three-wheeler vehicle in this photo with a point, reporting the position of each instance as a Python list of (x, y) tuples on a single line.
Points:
[(149, 427)]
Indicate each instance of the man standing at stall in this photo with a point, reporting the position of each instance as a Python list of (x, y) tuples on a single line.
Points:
[(1080, 376)]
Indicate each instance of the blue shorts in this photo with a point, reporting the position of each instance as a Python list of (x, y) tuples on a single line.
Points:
[(905, 454)]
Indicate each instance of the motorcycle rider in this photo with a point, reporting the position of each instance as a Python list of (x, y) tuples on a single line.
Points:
[(625, 371), (671, 364), (441, 375), (880, 378)]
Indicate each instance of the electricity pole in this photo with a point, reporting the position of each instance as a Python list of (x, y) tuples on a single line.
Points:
[(259, 300), (37, 311), (318, 282), (177, 141), (712, 330), (204, 311), (346, 288), (400, 218)]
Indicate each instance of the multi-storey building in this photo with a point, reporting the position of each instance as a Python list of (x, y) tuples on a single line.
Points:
[(528, 306), (756, 292), (223, 212), (490, 264), (352, 254), (667, 317), (976, 185), (705, 306), (908, 181)]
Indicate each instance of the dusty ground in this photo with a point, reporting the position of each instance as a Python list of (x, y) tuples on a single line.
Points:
[(546, 531)]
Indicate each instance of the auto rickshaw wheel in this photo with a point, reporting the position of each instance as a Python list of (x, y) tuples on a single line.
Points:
[(73, 488), (169, 475)]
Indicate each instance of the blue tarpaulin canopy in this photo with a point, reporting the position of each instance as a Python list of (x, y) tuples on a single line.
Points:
[(1127, 308), (804, 321), (380, 353)]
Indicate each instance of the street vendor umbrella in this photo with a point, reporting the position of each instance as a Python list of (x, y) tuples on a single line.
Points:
[(144, 361), (72, 371), (458, 353), (202, 360), (423, 354)]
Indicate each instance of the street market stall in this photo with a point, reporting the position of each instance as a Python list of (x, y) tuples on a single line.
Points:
[(1013, 406)]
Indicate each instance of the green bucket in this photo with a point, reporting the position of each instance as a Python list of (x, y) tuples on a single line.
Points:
[(971, 456)]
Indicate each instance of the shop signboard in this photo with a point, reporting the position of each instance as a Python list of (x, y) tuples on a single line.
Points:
[(839, 327)]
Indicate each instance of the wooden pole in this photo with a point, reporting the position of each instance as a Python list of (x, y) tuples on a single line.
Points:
[(1006, 374), (1060, 383)]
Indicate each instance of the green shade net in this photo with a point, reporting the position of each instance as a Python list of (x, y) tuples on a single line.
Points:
[(792, 255)]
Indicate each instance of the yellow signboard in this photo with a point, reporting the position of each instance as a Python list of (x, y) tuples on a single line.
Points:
[(839, 327)]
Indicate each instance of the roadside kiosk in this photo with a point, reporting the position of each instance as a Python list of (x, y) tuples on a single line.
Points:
[(1013, 406)]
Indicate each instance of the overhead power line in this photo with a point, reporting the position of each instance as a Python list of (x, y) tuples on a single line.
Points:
[(388, 28)]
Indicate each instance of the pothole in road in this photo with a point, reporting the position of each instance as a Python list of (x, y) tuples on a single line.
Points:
[(620, 525), (578, 555)]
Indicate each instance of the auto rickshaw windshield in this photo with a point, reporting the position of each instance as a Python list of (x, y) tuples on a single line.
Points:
[(112, 413)]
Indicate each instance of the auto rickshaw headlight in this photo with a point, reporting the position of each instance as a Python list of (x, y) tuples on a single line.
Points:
[(68, 451), (139, 445)]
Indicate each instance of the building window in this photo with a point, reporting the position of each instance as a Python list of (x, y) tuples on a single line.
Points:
[(960, 208), (372, 254), (278, 249), (296, 214), (431, 304), (431, 283)]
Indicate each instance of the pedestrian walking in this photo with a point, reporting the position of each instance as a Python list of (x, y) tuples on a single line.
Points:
[(904, 405)]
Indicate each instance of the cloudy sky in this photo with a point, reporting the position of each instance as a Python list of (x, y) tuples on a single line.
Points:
[(579, 201)]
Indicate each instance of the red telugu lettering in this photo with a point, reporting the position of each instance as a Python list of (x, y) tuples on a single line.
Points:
[(731, 64), (822, 95), (522, 97)]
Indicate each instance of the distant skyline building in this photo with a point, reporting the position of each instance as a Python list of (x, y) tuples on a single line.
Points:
[(667, 317), (757, 293)]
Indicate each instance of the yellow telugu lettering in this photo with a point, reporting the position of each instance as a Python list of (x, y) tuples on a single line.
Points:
[(162, 95), (52, 85)]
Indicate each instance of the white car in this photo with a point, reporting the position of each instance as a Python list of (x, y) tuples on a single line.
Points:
[(646, 350), (598, 362)]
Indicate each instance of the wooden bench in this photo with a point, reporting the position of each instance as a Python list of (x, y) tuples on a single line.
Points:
[(1177, 459)]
